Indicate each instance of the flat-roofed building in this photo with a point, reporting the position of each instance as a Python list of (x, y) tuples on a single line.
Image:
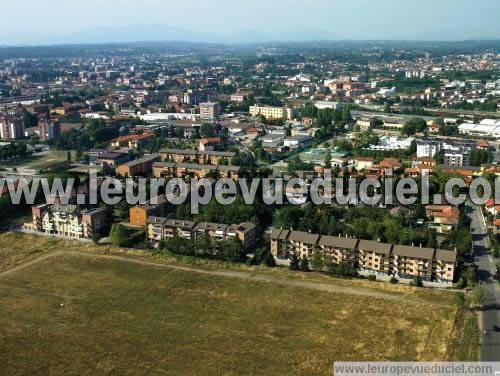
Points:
[(271, 112), (209, 112), (67, 220)]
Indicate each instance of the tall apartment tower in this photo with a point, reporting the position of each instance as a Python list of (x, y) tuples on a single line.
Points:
[(209, 112)]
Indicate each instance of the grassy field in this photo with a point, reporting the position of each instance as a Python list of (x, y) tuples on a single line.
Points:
[(94, 313), (40, 162)]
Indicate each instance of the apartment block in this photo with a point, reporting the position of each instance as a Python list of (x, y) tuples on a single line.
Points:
[(412, 261), (139, 214), (445, 264), (11, 128), (182, 170), (67, 220), (48, 129), (159, 228), (370, 256), (206, 157), (141, 166), (133, 141), (209, 112), (456, 157), (271, 112)]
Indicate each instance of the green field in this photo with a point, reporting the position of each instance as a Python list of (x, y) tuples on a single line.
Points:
[(39, 162), (70, 307)]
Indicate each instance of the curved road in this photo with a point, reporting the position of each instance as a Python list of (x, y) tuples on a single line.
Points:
[(490, 316)]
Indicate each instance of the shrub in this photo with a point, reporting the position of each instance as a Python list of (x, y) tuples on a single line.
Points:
[(393, 280), (417, 282), (372, 277)]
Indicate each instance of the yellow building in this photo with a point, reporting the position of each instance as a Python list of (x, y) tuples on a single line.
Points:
[(270, 112), (373, 257)]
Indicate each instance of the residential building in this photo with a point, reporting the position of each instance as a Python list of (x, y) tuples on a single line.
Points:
[(196, 156), (141, 166), (445, 264), (209, 144), (133, 140), (456, 157), (338, 249), (444, 218), (298, 142), (428, 148), (271, 112), (11, 128), (181, 170), (375, 257), (159, 228), (412, 262), (48, 130), (362, 163), (139, 214), (195, 97), (368, 256), (209, 112), (67, 220)]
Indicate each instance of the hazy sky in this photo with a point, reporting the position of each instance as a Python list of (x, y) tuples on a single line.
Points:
[(29, 21)]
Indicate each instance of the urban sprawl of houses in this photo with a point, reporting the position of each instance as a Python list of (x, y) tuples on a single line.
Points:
[(264, 111)]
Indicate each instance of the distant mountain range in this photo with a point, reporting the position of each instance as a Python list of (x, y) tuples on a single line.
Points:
[(162, 32)]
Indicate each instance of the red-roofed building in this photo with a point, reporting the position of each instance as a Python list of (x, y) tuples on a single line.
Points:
[(209, 144), (445, 218), (133, 140)]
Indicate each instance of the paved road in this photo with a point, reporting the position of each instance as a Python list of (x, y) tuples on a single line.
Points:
[(487, 269)]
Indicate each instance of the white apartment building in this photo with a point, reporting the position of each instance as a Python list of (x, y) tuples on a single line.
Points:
[(428, 148), (456, 157)]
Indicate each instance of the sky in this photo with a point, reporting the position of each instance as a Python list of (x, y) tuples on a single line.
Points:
[(58, 21)]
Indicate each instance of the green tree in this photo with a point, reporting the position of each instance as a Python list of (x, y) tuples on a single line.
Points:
[(206, 130), (328, 159), (317, 260), (346, 114), (412, 126), (118, 235)]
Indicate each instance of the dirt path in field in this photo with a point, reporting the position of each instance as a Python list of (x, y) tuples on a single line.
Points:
[(313, 285), (33, 261)]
